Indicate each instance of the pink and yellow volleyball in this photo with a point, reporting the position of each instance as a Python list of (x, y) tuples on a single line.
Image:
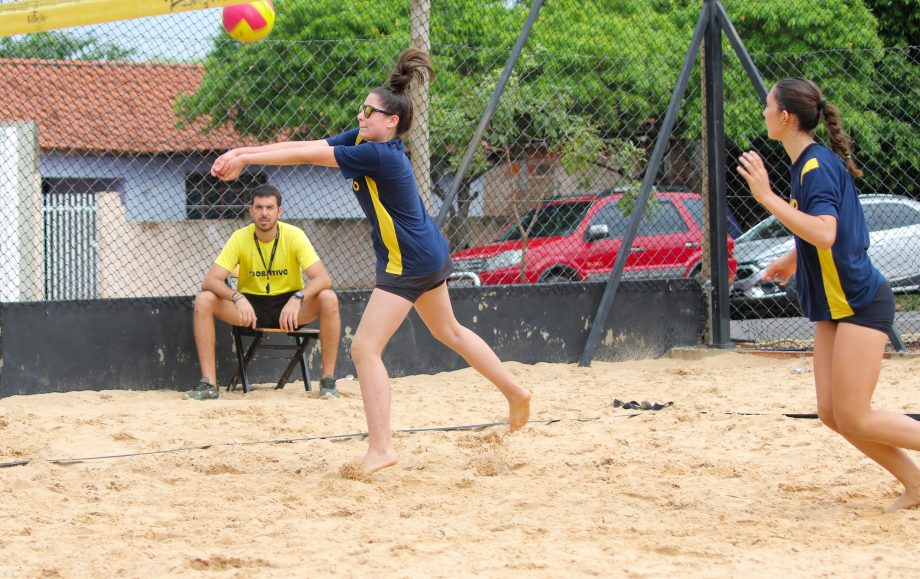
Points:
[(250, 21)]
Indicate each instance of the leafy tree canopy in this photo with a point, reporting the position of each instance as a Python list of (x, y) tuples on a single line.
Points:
[(607, 65), (898, 20)]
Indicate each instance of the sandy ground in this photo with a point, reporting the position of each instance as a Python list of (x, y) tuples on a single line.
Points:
[(719, 484)]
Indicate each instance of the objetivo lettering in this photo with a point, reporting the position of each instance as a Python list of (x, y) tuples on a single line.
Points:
[(268, 273)]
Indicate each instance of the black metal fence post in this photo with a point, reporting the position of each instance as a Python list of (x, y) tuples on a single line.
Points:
[(603, 310), (718, 206)]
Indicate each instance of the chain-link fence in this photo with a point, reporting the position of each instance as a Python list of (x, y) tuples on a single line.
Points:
[(109, 133)]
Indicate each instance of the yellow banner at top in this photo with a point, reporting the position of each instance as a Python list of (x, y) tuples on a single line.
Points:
[(28, 16)]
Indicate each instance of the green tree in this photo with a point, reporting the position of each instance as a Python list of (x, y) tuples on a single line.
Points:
[(61, 46), (898, 21), (594, 74), (307, 78), (898, 73)]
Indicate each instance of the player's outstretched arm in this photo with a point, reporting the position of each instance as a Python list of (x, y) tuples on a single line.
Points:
[(229, 165)]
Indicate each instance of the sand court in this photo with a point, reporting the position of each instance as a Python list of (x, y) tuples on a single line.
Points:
[(718, 484)]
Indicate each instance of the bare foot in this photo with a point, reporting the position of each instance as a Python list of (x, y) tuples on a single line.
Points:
[(907, 500), (376, 460), (519, 410)]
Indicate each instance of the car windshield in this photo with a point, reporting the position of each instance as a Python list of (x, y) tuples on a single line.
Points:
[(769, 228), (548, 221)]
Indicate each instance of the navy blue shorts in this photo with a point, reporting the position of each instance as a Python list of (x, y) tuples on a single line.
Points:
[(268, 308), (878, 315), (411, 287)]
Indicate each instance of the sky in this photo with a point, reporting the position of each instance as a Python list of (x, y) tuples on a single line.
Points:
[(182, 37)]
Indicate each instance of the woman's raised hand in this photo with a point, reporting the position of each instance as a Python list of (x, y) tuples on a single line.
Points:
[(228, 166), (751, 167)]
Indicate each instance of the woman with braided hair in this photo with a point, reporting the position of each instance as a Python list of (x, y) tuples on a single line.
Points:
[(413, 258), (837, 285)]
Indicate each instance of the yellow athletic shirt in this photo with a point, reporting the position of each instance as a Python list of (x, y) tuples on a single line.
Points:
[(294, 254)]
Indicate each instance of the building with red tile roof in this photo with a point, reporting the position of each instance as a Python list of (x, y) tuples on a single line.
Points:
[(107, 107), (112, 126)]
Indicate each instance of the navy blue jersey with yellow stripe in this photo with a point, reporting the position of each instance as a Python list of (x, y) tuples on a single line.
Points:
[(837, 282), (406, 240)]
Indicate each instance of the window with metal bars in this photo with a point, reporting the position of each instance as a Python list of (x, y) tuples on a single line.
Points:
[(207, 197)]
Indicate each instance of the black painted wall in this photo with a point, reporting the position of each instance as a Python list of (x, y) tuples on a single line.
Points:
[(147, 344)]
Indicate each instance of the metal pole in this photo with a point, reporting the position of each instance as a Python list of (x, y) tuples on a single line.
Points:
[(705, 245), (667, 126), (490, 110), (744, 56), (896, 341), (419, 137), (718, 206)]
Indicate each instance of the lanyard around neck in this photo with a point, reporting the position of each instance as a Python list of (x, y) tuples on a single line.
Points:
[(271, 260)]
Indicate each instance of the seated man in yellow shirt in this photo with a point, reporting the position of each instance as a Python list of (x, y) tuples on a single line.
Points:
[(272, 257)]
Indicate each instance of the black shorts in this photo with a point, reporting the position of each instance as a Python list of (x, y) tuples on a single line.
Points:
[(411, 287), (878, 315), (268, 308)]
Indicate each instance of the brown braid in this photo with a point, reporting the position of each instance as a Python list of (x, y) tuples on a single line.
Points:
[(841, 143)]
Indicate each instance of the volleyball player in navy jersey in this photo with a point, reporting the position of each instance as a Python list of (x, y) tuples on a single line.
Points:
[(413, 258), (837, 285)]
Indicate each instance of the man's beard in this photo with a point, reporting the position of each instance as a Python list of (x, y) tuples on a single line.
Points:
[(266, 228)]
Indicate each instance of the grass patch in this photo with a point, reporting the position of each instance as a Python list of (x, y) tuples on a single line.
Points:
[(907, 302)]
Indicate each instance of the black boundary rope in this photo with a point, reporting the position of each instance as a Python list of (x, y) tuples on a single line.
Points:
[(793, 415), (465, 427)]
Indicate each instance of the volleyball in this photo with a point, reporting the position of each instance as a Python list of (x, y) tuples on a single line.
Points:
[(250, 21)]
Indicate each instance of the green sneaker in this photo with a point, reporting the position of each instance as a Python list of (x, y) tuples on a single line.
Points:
[(203, 391), (327, 388)]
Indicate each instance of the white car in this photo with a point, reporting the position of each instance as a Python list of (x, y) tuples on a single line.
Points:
[(894, 248)]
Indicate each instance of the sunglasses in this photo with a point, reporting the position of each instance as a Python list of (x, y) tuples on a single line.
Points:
[(368, 110)]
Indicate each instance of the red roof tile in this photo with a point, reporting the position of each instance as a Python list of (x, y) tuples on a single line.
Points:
[(116, 107)]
